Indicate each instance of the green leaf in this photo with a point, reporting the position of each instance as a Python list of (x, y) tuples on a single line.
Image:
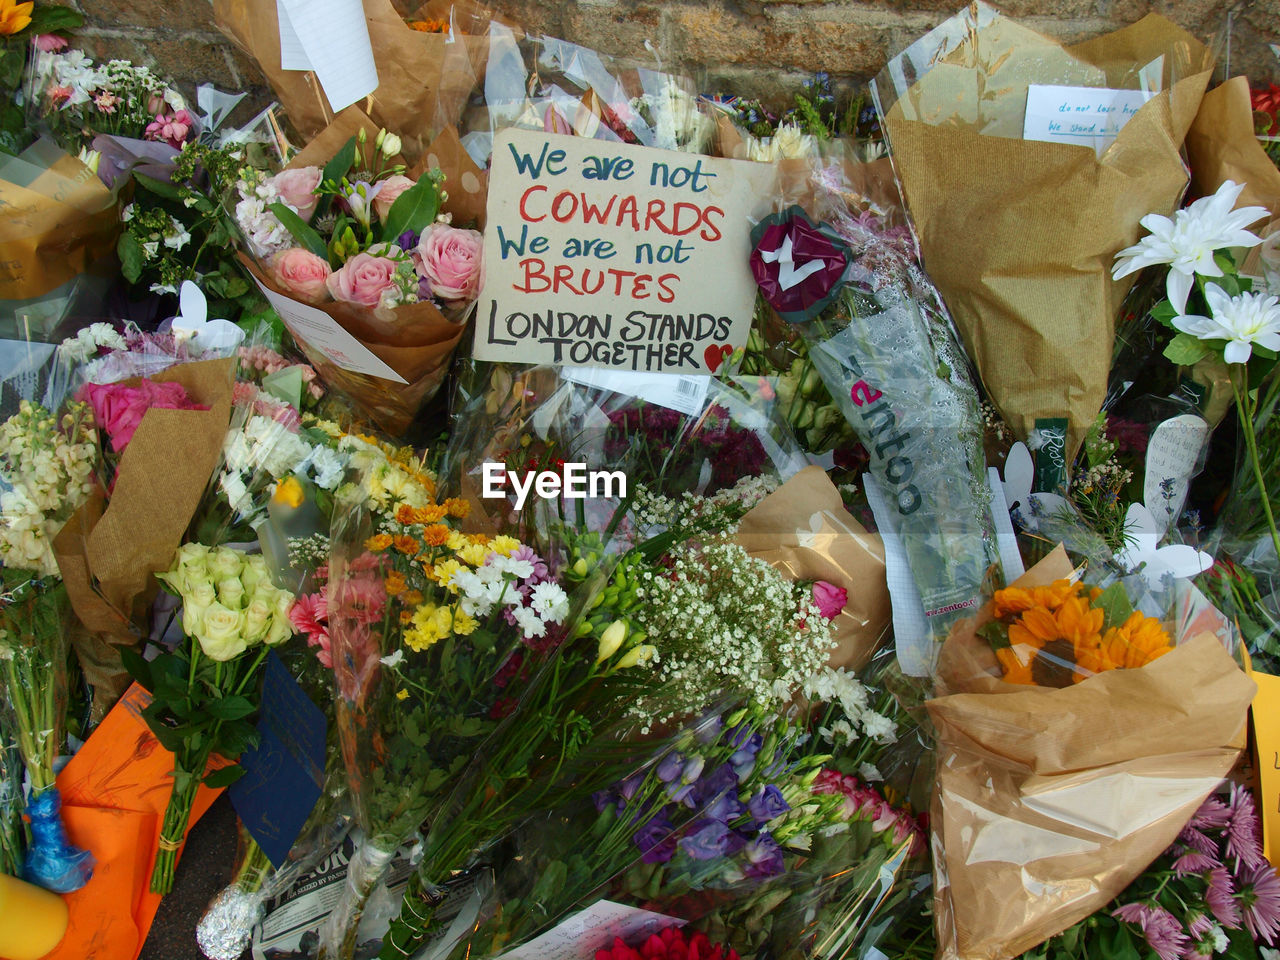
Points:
[(1186, 350), (230, 708), (161, 188), (302, 232), (1163, 312), (139, 668), (342, 162), (46, 18), (131, 257), (1115, 606), (995, 633), (224, 777), (415, 209)]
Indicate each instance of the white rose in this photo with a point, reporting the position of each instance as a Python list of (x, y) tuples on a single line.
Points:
[(221, 635), (257, 618), (225, 563), (231, 592)]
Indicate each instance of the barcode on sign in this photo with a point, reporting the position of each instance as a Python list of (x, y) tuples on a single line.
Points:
[(687, 387)]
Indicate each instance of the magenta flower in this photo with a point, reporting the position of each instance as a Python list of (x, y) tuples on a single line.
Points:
[(1212, 813), (829, 598), (1244, 833), (1194, 861), (1260, 899), (1164, 934), (1220, 897)]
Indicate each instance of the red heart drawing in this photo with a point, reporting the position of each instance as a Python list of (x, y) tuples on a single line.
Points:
[(716, 354)]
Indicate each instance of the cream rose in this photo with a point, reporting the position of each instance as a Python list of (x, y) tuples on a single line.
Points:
[(449, 259), (392, 187), (224, 563), (221, 634), (281, 626), (362, 279), (196, 600), (302, 274), (257, 618), (231, 592), (297, 188)]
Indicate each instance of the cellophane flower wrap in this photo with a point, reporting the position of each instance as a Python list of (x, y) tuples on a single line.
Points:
[(47, 463), (879, 336), (1027, 686), (344, 230)]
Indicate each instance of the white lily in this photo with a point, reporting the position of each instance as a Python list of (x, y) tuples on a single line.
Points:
[(1187, 241), (1243, 320)]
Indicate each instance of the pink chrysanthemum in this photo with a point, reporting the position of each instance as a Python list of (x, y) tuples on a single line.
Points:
[(1164, 934), (1198, 925), (1244, 833), (1260, 899), (1194, 861), (1197, 840), (1213, 813), (1220, 897)]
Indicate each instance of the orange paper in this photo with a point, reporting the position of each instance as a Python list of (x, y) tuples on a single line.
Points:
[(1265, 713), (114, 794)]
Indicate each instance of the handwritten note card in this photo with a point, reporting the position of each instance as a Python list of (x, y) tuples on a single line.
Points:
[(581, 935), (610, 255), (321, 331), (1173, 457), (1085, 116), (334, 40)]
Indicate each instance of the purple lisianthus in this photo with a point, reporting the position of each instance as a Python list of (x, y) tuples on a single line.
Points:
[(767, 804), (719, 783), (669, 769), (656, 840), (709, 839), (764, 857), (748, 745), (407, 240), (726, 807)]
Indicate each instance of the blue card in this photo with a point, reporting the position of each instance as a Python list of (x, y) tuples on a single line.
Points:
[(284, 774)]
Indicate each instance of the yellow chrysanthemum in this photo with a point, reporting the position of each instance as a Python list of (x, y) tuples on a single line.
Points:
[(443, 573), (473, 554), (429, 626), (464, 624), (504, 545), (378, 542), (457, 541), (457, 507)]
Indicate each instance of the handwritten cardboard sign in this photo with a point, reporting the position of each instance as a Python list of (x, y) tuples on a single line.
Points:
[(610, 255)]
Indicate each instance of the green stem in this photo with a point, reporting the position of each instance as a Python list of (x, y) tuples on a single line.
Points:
[(1240, 387)]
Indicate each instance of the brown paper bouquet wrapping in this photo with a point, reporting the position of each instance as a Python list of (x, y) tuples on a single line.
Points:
[(1020, 235), (803, 530), (415, 340), (424, 79), (110, 549), (1049, 802)]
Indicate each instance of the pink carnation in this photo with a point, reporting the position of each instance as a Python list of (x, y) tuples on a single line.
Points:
[(119, 409)]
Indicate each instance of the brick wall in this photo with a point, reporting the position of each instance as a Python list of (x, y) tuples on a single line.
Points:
[(756, 47)]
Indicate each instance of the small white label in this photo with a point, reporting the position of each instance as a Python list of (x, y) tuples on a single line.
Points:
[(578, 937), (686, 393), (1084, 116), (1173, 454), (321, 331)]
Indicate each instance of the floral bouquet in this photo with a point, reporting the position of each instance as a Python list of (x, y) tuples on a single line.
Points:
[(47, 464), (1026, 687), (343, 240), (26, 28)]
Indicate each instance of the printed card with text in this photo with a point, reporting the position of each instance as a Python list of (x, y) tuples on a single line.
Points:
[(603, 254)]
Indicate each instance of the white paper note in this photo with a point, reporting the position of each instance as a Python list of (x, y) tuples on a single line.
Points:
[(592, 929), (686, 393), (321, 331), (1085, 116), (915, 646), (1173, 454), (292, 55), (335, 38)]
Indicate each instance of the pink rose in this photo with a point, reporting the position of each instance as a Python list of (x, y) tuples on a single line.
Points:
[(297, 188), (302, 273), (449, 259), (119, 409), (392, 187), (829, 598), (362, 279)]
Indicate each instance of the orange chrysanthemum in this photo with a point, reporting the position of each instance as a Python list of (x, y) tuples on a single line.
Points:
[(406, 544), (378, 542), (457, 507), (395, 583), (413, 598), (14, 16), (436, 535), (429, 26)]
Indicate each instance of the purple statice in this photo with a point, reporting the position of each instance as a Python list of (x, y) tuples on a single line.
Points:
[(1220, 896), (1244, 831), (656, 840), (767, 804), (709, 839), (1164, 934), (764, 857), (1259, 899)]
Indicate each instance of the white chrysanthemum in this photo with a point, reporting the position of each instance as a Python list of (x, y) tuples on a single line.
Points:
[(879, 727), (1241, 320), (1187, 242), (549, 601), (520, 569), (327, 466), (529, 622), (870, 772), (788, 142)]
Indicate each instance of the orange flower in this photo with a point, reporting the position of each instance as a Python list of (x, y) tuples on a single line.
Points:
[(1051, 640), (404, 514), (413, 598), (457, 507), (14, 16), (1014, 600), (436, 535), (406, 544), (395, 583), (1015, 671), (1136, 642), (429, 26), (406, 617), (379, 541)]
